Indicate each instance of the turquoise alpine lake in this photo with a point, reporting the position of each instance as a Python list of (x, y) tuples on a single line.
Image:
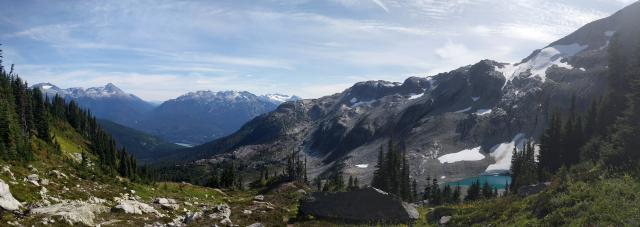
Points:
[(498, 181)]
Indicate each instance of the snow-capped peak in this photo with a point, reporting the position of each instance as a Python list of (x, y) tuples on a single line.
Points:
[(279, 98), (109, 90)]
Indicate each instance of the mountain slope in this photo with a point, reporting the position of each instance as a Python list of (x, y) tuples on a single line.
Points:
[(141, 145), (490, 106), (197, 117), (107, 102)]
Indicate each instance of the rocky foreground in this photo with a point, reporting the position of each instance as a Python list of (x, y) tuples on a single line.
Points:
[(39, 197)]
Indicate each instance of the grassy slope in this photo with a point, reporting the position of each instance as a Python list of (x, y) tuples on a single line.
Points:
[(83, 183), (567, 202)]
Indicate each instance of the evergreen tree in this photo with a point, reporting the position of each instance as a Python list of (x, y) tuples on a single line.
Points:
[(473, 192), (487, 191), (550, 155), (455, 197)]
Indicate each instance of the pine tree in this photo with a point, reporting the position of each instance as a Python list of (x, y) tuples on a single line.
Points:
[(379, 174), (414, 190), (455, 197), (356, 184), (550, 156), (487, 191), (473, 192)]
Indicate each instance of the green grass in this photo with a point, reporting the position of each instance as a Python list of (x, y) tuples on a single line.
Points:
[(601, 202)]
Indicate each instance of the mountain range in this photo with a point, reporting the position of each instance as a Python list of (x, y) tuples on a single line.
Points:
[(451, 125), (193, 118)]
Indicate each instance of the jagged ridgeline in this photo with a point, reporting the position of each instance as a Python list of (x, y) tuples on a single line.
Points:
[(28, 119)]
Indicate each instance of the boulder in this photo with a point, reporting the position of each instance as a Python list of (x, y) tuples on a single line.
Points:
[(444, 220), (366, 205), (168, 204), (7, 202), (191, 217), (34, 178), (7, 170), (134, 207), (58, 174), (258, 198), (257, 224), (75, 212), (221, 212)]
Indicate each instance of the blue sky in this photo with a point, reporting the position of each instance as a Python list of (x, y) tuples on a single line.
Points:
[(160, 49)]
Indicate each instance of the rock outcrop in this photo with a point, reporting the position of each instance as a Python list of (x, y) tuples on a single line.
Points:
[(74, 212), (132, 206)]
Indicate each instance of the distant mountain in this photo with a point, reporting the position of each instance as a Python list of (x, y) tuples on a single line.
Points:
[(452, 125), (108, 102), (201, 116), (141, 145)]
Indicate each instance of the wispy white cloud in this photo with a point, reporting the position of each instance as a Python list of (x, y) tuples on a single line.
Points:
[(382, 5)]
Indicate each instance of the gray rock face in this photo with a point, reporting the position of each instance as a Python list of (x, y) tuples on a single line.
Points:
[(367, 205)]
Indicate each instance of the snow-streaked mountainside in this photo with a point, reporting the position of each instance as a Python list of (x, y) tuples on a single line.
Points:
[(455, 124), (198, 117), (107, 102)]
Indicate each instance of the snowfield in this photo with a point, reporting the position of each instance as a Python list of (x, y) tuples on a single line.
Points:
[(503, 152), (362, 166), (463, 110), (542, 61), (482, 112), (415, 96), (472, 154)]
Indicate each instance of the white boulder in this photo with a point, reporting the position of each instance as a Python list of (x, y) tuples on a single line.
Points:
[(74, 212), (134, 207), (7, 202)]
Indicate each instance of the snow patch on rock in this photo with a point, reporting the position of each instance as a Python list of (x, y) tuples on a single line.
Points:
[(482, 112), (463, 110), (415, 96), (362, 166), (542, 61), (503, 152), (472, 154)]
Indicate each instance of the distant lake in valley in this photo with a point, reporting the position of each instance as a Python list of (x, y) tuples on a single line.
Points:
[(498, 181)]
